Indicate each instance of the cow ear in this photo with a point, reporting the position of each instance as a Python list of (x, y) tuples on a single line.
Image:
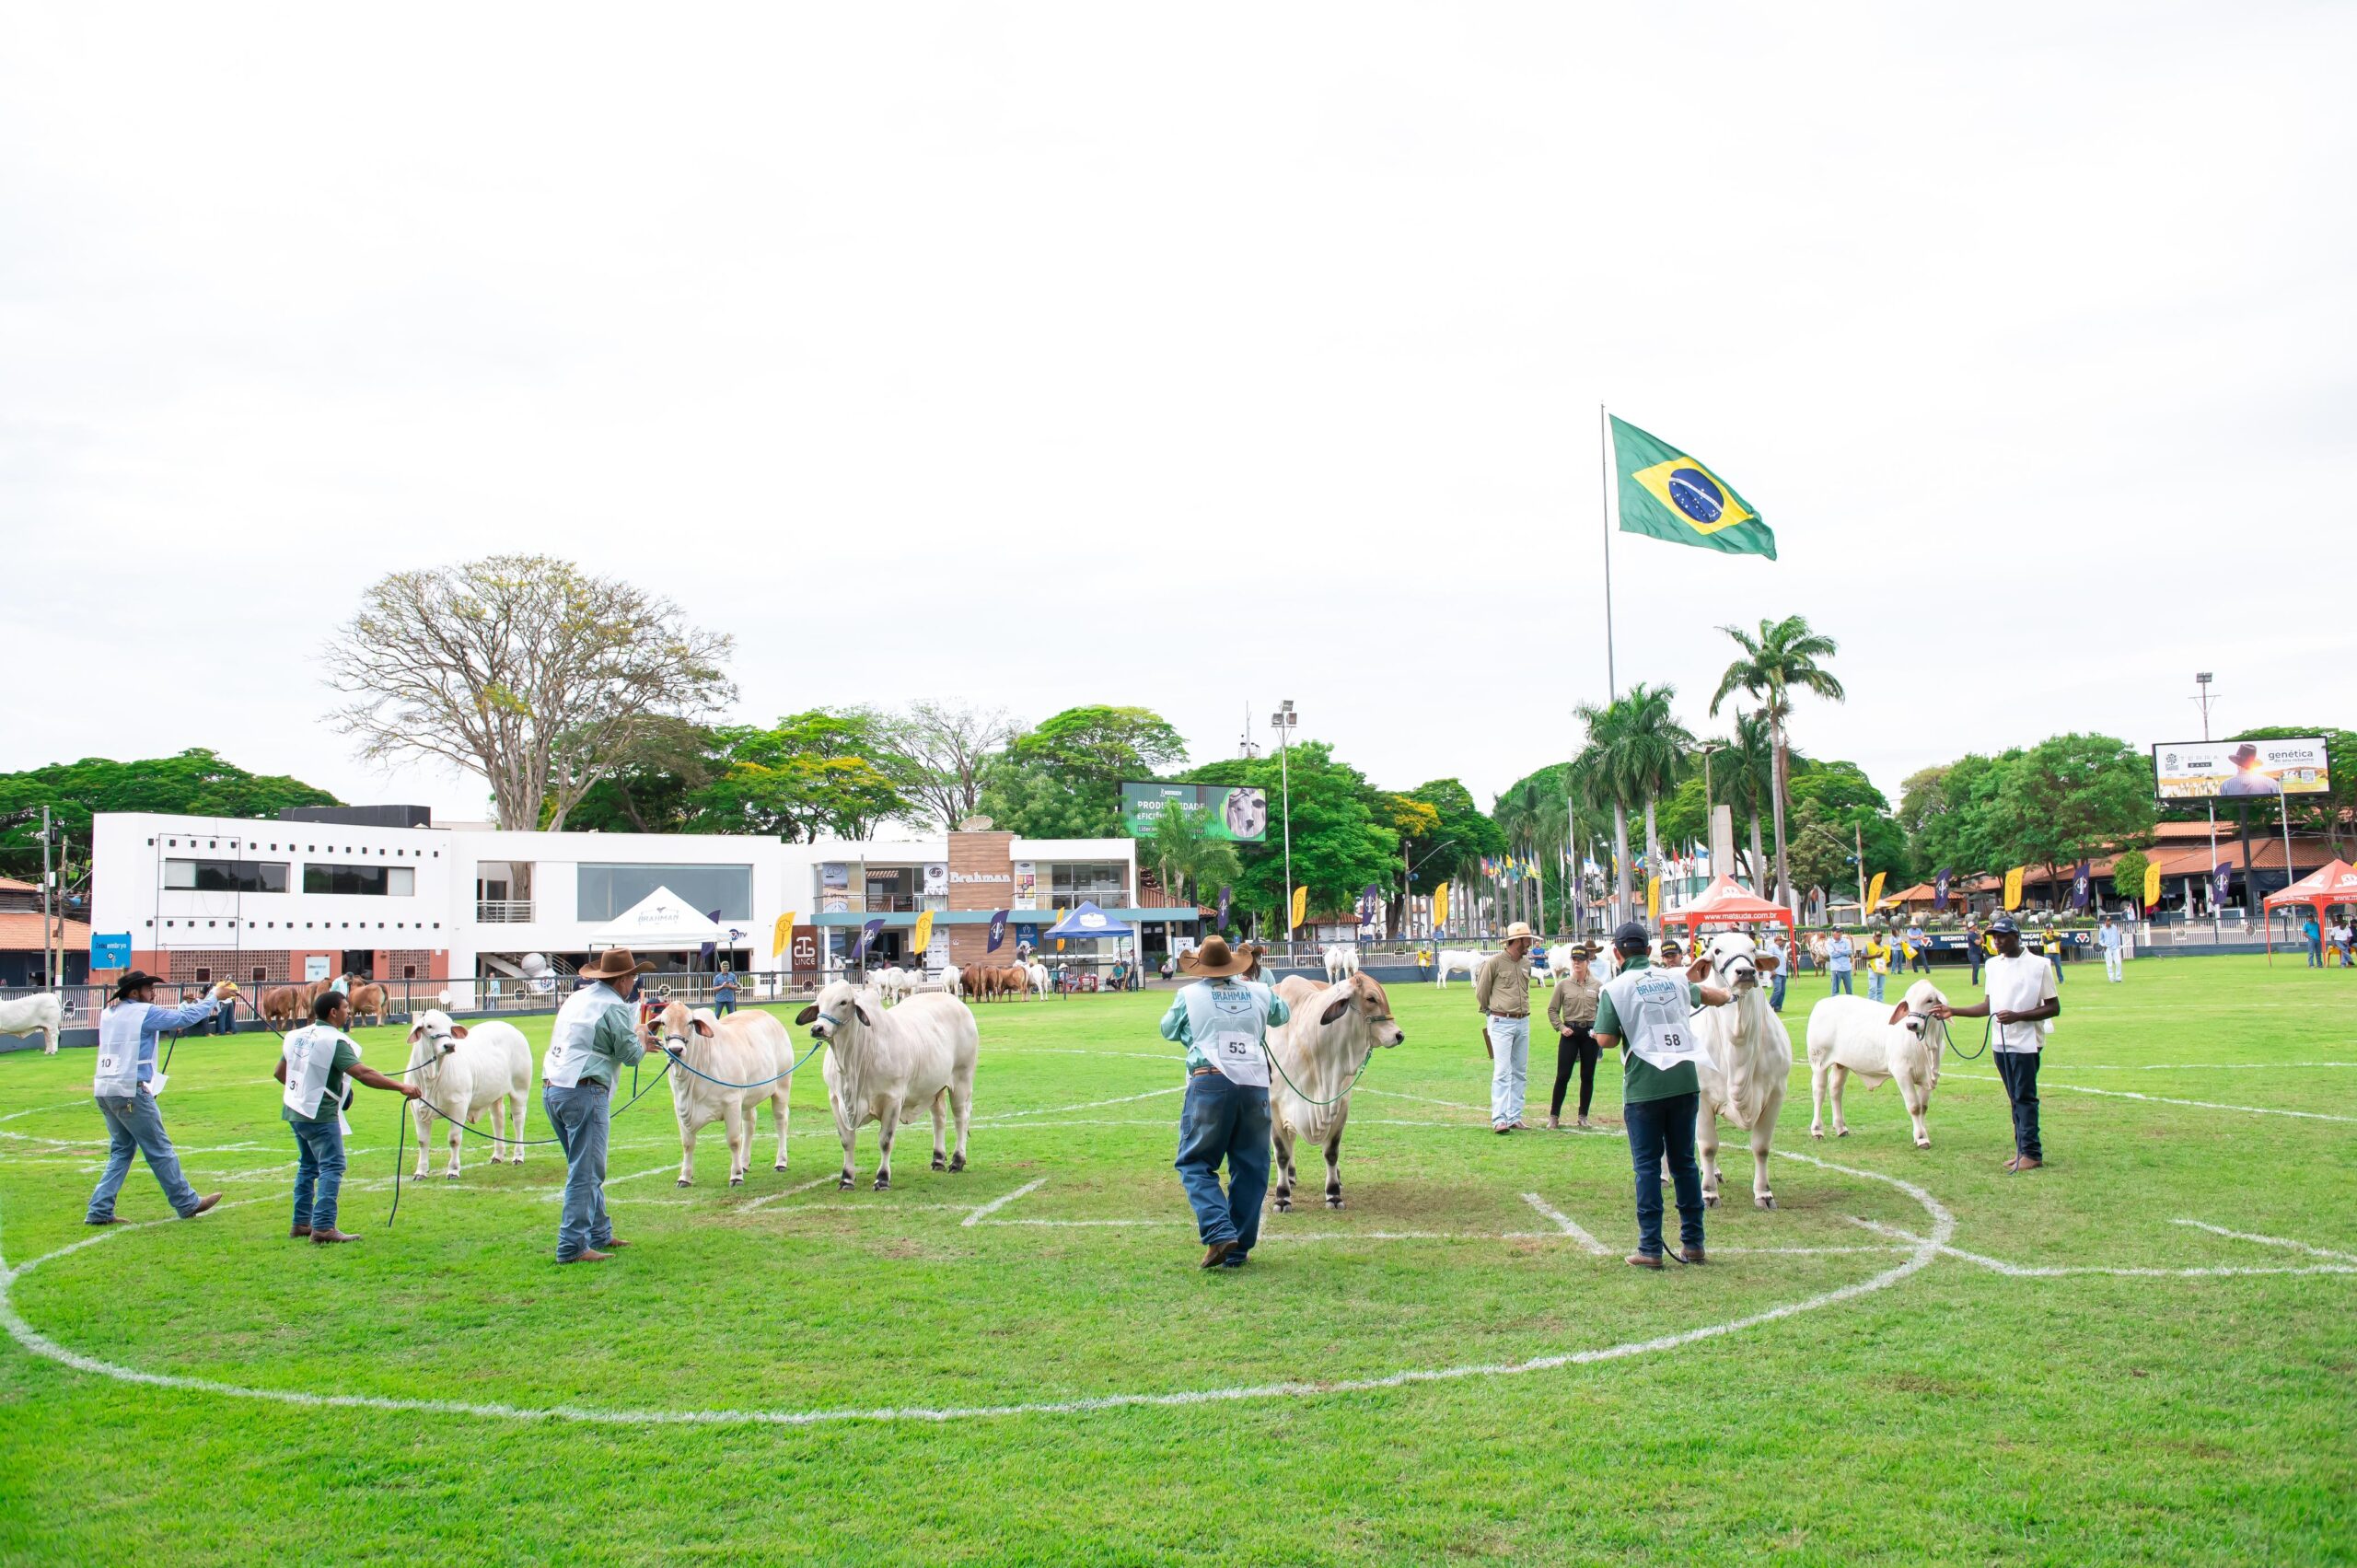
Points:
[(1334, 1012), (1898, 1013), (458, 1031), (416, 1033), (701, 1027), (807, 1015), (863, 1018), (1763, 964)]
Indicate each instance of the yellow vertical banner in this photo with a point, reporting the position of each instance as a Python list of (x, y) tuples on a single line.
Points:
[(782, 935), (924, 935), (1300, 907), (2014, 888), (1873, 892), (1652, 898), (2152, 883), (1440, 906)]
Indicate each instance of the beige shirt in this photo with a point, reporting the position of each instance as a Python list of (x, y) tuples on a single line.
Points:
[(1504, 986), (1574, 1001)]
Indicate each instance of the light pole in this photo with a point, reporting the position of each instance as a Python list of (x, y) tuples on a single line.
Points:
[(2210, 805), (1408, 878), (1282, 721)]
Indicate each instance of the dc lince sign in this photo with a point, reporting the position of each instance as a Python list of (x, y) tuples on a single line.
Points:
[(982, 876)]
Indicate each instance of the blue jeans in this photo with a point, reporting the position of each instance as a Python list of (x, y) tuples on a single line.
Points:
[(2056, 959), (1874, 985), (1230, 1122), (1659, 1128), (319, 1171), (1842, 985), (2316, 955), (581, 1115), (135, 1123), (723, 1004), (1776, 991), (1509, 1068), (2019, 1071)]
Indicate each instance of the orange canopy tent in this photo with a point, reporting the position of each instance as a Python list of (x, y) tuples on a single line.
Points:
[(1724, 902), (2334, 882)]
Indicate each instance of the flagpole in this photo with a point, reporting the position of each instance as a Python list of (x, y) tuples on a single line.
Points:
[(1604, 468)]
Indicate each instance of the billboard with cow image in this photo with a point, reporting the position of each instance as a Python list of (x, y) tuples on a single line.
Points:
[(2200, 770), (1240, 816)]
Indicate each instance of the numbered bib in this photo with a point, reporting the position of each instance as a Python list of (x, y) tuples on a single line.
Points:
[(1240, 1058), (1655, 1019)]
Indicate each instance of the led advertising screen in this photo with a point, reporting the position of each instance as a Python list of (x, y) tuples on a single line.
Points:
[(1239, 815), (2236, 770)]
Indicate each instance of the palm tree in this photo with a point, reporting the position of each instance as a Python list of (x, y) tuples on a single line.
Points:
[(1782, 659), (1636, 749)]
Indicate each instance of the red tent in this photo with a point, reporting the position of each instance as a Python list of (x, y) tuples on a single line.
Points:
[(2335, 882), (1724, 902)]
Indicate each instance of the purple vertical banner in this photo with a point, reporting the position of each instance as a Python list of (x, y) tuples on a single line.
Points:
[(998, 929), (2220, 881), (1940, 889), (2082, 884), (1224, 895), (1370, 905), (867, 935)]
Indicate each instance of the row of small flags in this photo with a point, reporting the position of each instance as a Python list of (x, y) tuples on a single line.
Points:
[(1509, 868)]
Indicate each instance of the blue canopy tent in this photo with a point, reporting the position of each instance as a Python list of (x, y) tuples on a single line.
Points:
[(1088, 923)]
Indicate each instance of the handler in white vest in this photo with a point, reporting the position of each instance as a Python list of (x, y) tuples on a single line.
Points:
[(593, 1039), (313, 1062), (2022, 993), (125, 1086), (1648, 1012), (1223, 1023)]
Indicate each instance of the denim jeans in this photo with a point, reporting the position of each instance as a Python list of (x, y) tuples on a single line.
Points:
[(1230, 1122), (1659, 1128), (2315, 954), (2019, 1071), (319, 1171), (1776, 991), (723, 1004), (1977, 954), (1874, 986), (135, 1123), (1509, 1069), (2056, 959), (580, 1116), (1843, 984)]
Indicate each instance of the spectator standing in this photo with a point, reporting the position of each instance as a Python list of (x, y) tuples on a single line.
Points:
[(1501, 991), (2314, 936), (1838, 956), (1572, 1012), (2022, 996), (1918, 949), (724, 992), (1878, 965), (2112, 938)]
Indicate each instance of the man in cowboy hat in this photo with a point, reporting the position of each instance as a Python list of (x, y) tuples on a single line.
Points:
[(1645, 1011), (125, 1087), (1501, 991), (2021, 991), (1222, 1020), (591, 1041)]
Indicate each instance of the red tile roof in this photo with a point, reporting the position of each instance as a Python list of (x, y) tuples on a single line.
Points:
[(20, 933)]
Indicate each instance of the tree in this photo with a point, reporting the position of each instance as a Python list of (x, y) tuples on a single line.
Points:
[(939, 751), (2330, 814), (2071, 796), (653, 787), (1782, 659), (1835, 808), (523, 669), (1635, 750), (813, 773), (197, 782), (1188, 856), (1446, 845), (1063, 779), (2127, 875), (1338, 843)]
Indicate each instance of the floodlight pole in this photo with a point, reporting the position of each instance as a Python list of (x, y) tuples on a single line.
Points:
[(1283, 722), (2209, 804)]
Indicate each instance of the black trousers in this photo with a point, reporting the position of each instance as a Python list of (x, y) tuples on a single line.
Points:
[(1578, 1047), (2019, 1069)]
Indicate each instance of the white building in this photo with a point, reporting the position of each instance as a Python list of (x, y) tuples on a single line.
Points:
[(266, 901)]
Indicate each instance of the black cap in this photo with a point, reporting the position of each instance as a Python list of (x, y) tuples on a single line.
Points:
[(1632, 937), (2003, 924)]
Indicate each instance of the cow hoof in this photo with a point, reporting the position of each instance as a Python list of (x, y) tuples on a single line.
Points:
[(1334, 1202), (844, 1184), (735, 1181), (883, 1184), (1765, 1201), (1817, 1131), (956, 1163), (1923, 1142), (1710, 1200), (940, 1164), (1841, 1132), (449, 1176), (780, 1166), (1285, 1205)]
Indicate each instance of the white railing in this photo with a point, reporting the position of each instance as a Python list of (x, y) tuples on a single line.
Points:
[(503, 912)]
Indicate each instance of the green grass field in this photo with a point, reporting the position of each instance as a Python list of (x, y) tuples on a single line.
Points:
[(709, 1396)]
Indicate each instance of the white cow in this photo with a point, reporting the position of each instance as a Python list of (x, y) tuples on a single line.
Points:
[(1454, 958), (1749, 1058), (880, 1066), (893, 984), (1035, 975), (1341, 961), (1333, 1031), (1851, 1035), (1559, 961), (751, 1056), (464, 1073), (952, 979), (43, 1015)]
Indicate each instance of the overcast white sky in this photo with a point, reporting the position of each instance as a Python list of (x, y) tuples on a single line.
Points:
[(1038, 355)]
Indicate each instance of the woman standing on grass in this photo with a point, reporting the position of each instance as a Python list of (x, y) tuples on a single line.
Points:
[(1572, 1012)]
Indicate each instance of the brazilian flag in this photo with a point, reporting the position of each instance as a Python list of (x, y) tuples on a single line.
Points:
[(1666, 495)]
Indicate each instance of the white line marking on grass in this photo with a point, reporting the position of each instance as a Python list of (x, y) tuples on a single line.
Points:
[(2196, 1066), (1070, 1051), (37, 1109), (1566, 1224), (1919, 1257), (788, 1193), (1085, 1105), (2268, 1240), (2060, 1270), (995, 1204), (557, 1196), (1480, 1110), (2164, 1099)]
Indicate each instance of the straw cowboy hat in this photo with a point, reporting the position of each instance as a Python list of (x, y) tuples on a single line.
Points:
[(1520, 932), (614, 963), (1214, 959)]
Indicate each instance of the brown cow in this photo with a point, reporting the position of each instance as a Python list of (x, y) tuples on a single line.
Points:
[(287, 1006), (367, 1001)]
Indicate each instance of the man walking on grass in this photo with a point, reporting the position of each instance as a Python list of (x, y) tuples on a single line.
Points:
[(2112, 939), (1224, 1020), (590, 1043), (1501, 991), (125, 1086), (1646, 1013), (2022, 996), (313, 1062)]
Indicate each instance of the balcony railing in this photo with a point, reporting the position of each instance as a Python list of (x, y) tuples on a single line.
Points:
[(503, 912)]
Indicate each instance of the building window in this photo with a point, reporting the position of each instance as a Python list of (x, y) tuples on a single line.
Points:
[(395, 881), (408, 972), (204, 975), (605, 891), (226, 876), (1098, 882)]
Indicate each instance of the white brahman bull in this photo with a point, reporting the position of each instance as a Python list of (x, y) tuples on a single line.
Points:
[(1851, 1035), (1333, 1031), (880, 1066), (751, 1057), (1748, 1057), (43, 1015), (1341, 961), (892, 984), (1035, 976), (464, 1073), (1451, 959)]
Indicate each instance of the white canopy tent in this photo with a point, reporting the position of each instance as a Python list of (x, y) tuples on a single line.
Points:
[(659, 923)]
